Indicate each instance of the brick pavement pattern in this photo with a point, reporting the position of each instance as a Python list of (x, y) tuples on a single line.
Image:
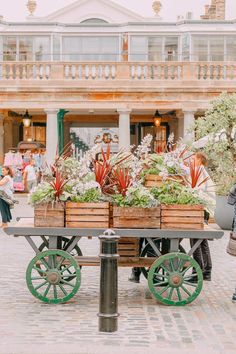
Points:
[(30, 326)]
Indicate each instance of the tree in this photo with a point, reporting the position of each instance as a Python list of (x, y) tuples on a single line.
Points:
[(219, 125)]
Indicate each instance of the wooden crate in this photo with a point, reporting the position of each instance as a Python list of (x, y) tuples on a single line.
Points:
[(153, 181), (182, 217), (86, 215), (136, 218), (49, 215), (157, 181), (128, 247)]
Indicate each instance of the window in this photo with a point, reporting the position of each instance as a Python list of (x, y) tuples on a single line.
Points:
[(208, 48), (56, 47), (138, 48), (103, 48), (34, 48), (94, 21), (231, 48), (154, 48), (9, 48), (171, 48), (216, 48), (200, 48), (41, 48), (185, 47), (25, 48)]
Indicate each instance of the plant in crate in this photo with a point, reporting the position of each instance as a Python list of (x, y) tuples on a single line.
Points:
[(182, 207), (47, 201), (85, 204), (169, 166), (134, 206)]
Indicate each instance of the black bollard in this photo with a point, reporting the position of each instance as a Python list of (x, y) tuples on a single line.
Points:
[(108, 304)]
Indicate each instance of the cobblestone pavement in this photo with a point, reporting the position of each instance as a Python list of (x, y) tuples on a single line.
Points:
[(30, 326)]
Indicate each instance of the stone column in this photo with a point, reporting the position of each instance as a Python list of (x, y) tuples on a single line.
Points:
[(16, 132), (51, 135), (1, 138), (8, 133), (124, 128), (188, 123)]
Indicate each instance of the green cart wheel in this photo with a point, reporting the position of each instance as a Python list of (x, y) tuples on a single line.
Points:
[(76, 251), (59, 278), (175, 279), (148, 251)]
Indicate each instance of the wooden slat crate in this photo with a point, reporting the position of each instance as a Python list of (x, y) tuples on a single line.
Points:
[(182, 217), (128, 247), (153, 181), (85, 215), (136, 218), (157, 181), (49, 215)]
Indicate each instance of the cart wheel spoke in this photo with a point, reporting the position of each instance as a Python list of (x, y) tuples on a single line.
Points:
[(171, 293), (190, 284), (39, 270), (47, 290), (186, 269), (40, 285), (54, 276), (55, 291), (63, 290), (60, 263), (161, 276), (175, 279), (172, 265), (179, 295), (67, 283), (160, 283), (37, 278), (186, 290)]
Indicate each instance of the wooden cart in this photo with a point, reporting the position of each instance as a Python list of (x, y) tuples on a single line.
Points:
[(54, 274)]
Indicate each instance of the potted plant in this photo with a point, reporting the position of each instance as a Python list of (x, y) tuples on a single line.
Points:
[(135, 207), (85, 205), (169, 166), (47, 201), (216, 136), (181, 206)]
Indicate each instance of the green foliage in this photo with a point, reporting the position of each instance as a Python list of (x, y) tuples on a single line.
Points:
[(219, 123), (92, 195), (175, 193), (43, 193), (138, 196)]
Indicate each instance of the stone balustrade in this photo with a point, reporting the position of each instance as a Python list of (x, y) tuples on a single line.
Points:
[(123, 71)]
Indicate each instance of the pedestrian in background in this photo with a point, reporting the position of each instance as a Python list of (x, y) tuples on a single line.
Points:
[(202, 254), (6, 195), (30, 176)]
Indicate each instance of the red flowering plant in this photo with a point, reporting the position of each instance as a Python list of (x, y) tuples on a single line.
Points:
[(58, 184), (197, 175), (49, 191), (122, 179), (107, 168)]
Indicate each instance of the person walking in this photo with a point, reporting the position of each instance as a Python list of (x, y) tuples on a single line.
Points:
[(29, 176), (202, 254), (6, 192)]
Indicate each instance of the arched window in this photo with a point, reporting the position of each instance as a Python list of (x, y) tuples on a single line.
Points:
[(94, 21)]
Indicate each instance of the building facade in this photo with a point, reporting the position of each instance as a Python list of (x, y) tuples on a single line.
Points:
[(105, 72)]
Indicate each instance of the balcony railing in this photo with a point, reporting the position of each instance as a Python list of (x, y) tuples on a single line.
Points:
[(126, 71)]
